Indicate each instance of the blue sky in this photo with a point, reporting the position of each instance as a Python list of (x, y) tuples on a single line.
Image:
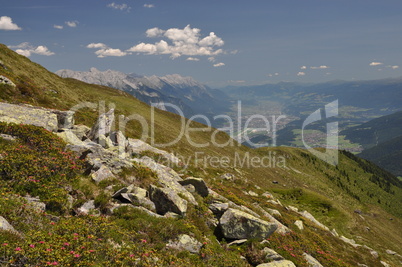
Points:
[(218, 42)]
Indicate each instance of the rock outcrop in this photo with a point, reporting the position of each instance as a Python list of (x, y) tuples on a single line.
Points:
[(166, 199), (236, 224), (185, 242)]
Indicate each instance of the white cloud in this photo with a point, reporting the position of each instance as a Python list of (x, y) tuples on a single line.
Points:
[(149, 5), (121, 7), (105, 51), (193, 59), (26, 49), (154, 32), (186, 41), (211, 59), (72, 24), (322, 67), (375, 63), (220, 64), (303, 67), (301, 73), (6, 23), (395, 67), (60, 27)]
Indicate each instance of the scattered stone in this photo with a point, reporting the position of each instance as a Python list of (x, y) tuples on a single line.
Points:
[(170, 214), (349, 241), (281, 229), (253, 194), (275, 202), (362, 265), (271, 255), (299, 224), (281, 263), (8, 137), (236, 224), (5, 80), (312, 262), (101, 174), (390, 252), (87, 208), (35, 203), (166, 199), (268, 195), (384, 264), (136, 146), (293, 208), (227, 177), (334, 233), (237, 242), (309, 216), (185, 242), (199, 184), (275, 182), (358, 211), (274, 212)]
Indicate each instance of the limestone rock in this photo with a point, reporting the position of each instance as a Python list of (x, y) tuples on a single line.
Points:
[(227, 177), (281, 263), (5, 80), (237, 242), (292, 208), (136, 146), (6, 226), (390, 252), (299, 224), (101, 174), (312, 262), (309, 216), (69, 137), (218, 208), (274, 212), (236, 224), (36, 204), (167, 178), (81, 131), (26, 114), (281, 229), (349, 241), (103, 125), (199, 184), (185, 242), (65, 119), (252, 193), (166, 199), (8, 137), (272, 255), (87, 208)]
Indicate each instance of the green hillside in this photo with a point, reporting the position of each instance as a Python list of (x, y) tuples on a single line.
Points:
[(358, 199)]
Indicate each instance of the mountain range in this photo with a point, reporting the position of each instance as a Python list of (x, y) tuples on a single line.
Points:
[(185, 93)]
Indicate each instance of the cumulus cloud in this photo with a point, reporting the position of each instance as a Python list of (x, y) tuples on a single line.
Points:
[(375, 63), (154, 32), (105, 51), (220, 64), (322, 67), (395, 67), (193, 59), (179, 42), (149, 5), (26, 49), (303, 67), (301, 73), (72, 24), (273, 74), (6, 23), (60, 27), (122, 7)]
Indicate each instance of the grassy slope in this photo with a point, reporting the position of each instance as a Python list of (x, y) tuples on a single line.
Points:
[(322, 193)]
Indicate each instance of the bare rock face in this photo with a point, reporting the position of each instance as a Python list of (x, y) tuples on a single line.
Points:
[(236, 224), (101, 174), (6, 226), (166, 199)]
